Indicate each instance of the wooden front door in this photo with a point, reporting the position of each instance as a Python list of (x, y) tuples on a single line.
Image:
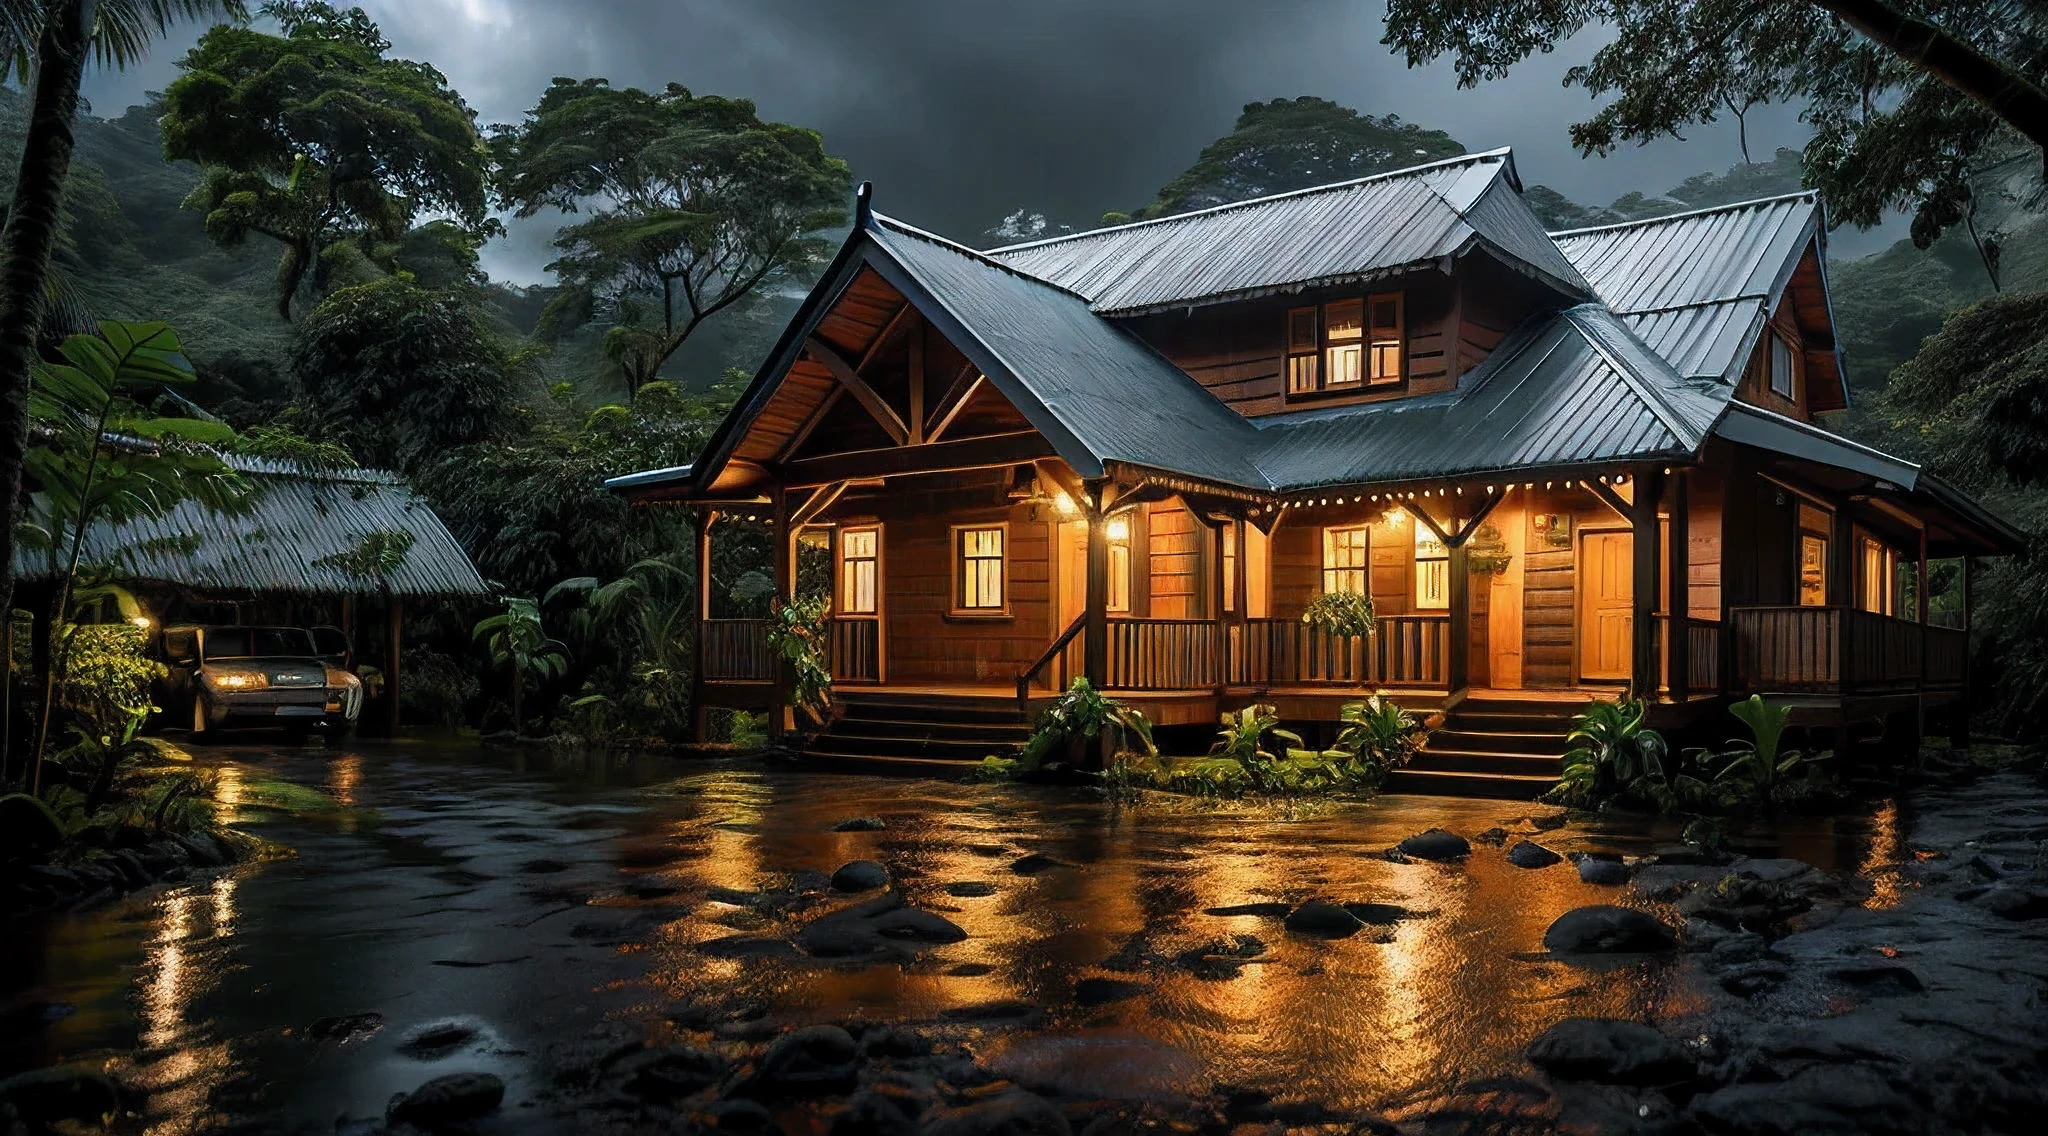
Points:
[(1606, 606), (1073, 572)]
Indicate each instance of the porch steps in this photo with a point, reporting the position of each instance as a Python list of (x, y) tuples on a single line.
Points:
[(1491, 747), (920, 734)]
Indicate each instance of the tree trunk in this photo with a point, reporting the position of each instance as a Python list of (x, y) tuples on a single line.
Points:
[(2003, 91), (26, 244), (518, 689)]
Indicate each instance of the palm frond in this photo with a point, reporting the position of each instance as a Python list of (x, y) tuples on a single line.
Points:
[(122, 29)]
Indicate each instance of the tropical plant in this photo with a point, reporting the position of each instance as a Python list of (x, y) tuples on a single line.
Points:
[(317, 140), (1376, 732), (1615, 759), (1077, 717), (693, 204), (105, 694), (1243, 739), (47, 43), (799, 631), (1347, 615), (108, 459), (644, 619), (514, 638), (1759, 766)]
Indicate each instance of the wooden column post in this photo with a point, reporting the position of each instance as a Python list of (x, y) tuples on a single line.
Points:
[(392, 653), (784, 544), (1458, 667), (1644, 544), (1841, 592), (1095, 612), (1920, 583), (700, 534), (1678, 607)]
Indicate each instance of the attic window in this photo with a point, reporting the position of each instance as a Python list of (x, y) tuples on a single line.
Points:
[(1782, 379), (1345, 345)]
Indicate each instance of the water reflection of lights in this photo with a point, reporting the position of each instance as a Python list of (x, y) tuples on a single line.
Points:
[(181, 964), (343, 777), (1881, 863)]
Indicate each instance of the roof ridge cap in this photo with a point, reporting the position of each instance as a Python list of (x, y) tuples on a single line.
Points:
[(1812, 195), (1499, 152), (1669, 415), (912, 231)]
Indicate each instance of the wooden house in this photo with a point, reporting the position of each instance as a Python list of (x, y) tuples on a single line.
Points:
[(1560, 464)]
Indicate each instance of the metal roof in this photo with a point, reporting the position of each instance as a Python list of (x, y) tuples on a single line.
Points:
[(1080, 379), (1571, 389), (294, 518), (1357, 230), (1745, 251)]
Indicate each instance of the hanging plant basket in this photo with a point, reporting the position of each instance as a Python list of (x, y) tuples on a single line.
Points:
[(1346, 615)]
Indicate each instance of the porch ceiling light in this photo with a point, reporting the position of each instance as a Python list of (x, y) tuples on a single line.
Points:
[(1119, 528)]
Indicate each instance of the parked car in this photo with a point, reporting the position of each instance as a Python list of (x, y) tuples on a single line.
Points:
[(223, 677)]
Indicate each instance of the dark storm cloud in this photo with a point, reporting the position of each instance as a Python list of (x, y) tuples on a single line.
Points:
[(962, 110)]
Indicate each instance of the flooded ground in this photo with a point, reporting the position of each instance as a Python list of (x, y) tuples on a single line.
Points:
[(495, 908)]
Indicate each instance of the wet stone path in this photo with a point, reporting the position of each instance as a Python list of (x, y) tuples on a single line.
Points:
[(513, 913)]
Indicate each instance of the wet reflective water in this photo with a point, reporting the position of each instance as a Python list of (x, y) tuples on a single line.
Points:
[(535, 901)]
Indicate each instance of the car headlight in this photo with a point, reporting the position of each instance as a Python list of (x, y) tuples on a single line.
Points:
[(239, 680)]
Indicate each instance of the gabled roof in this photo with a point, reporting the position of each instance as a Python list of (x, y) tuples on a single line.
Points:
[(1360, 230), (1575, 388), (296, 519), (1093, 389), (1697, 286)]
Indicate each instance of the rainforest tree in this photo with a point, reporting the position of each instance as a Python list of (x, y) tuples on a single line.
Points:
[(691, 203), (1907, 102), (319, 140)]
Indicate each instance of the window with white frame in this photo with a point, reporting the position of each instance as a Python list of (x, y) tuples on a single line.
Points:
[(979, 568), (1347, 560), (1432, 570), (860, 553), (1783, 380)]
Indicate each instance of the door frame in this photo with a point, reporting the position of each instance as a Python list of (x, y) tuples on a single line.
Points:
[(880, 616)]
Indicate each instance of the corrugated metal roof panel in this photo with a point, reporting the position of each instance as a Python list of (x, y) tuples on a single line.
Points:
[(1102, 386), (1578, 388), (294, 520), (1742, 251), (1705, 340), (1329, 235)]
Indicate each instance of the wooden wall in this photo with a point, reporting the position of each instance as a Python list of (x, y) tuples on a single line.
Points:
[(1755, 387), (1705, 491), (1177, 579), (1296, 564)]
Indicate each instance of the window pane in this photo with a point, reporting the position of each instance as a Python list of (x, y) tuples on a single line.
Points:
[(1386, 362), (1813, 571), (981, 568), (1344, 321), (1346, 561), (1781, 366), (1301, 330), (1344, 364), (1301, 373), (1119, 596), (1386, 317), (1230, 565), (1432, 570)]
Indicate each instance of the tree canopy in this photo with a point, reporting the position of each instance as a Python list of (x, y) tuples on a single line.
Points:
[(1906, 107), (1289, 144), (398, 373), (319, 141), (692, 203)]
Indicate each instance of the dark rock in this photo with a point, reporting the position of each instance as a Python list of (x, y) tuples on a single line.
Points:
[(1378, 914), (437, 1040), (1818, 1099), (1005, 1011), (1610, 1051), (1495, 836), (1529, 854), (1754, 978), (51, 878), (202, 852), (1220, 959), (912, 925), (1102, 991), (1012, 1112), (669, 1072), (875, 1113), (42, 1097), (1035, 863), (1260, 910), (970, 889), (1320, 920), (1601, 871), (860, 875), (1606, 929), (450, 1100), (739, 1115), (543, 867), (812, 1061), (894, 1042), (1879, 979), (861, 824), (1436, 844), (345, 1028), (970, 970), (2015, 902), (1744, 902)]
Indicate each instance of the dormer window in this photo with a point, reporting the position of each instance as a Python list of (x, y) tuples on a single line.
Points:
[(1345, 345), (1784, 381)]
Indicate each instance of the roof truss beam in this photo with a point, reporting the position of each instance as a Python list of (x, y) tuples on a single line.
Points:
[(869, 398)]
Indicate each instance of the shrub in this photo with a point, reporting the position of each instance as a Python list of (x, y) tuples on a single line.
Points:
[(1347, 615), (1082, 713), (799, 631)]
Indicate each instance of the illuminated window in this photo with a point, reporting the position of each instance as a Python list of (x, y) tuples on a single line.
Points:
[(859, 557), (979, 571), (1880, 574), (1814, 526), (1782, 379), (1432, 570), (1345, 345), (1119, 598), (1230, 565), (1346, 561)]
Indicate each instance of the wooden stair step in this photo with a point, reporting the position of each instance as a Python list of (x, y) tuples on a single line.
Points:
[(1446, 783)]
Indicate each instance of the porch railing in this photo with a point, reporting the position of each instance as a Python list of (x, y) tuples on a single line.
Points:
[(1703, 655), (855, 648), (1164, 654), (735, 650), (1840, 650), (1403, 650)]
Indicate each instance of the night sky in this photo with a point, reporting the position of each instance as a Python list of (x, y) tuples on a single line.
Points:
[(963, 110)]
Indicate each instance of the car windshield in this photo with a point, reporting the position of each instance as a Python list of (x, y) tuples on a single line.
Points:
[(257, 642), (330, 641)]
